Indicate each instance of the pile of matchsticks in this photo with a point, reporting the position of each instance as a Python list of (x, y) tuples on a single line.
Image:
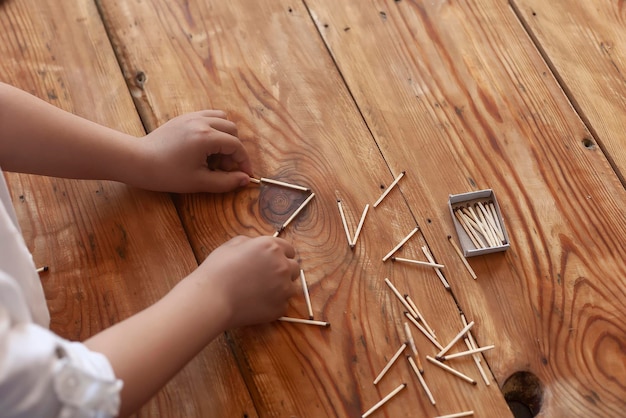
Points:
[(413, 358), (481, 223)]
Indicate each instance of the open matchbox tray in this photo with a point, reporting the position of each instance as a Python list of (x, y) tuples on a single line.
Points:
[(463, 200)]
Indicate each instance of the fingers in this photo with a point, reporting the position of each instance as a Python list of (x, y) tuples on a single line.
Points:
[(222, 181), (229, 145)]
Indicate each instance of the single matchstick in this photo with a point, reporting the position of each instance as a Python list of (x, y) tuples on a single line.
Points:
[(421, 328), (457, 415), (399, 296), (455, 339), (477, 361), (358, 229), (255, 180), (496, 219), (391, 186), (397, 247), (421, 380), (42, 269), (409, 337), (277, 232), (390, 363), (293, 215), (462, 257), (345, 224), (304, 321), (468, 352), (451, 370), (305, 290), (283, 184), (421, 263), (429, 257), (420, 317), (383, 400)]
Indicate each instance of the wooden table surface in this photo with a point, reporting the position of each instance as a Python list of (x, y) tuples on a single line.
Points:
[(526, 97)]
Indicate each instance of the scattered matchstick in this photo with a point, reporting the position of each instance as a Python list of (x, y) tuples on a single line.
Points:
[(429, 257), (421, 328), (297, 211), (451, 370), (455, 339), (421, 263), (391, 186), (462, 257), (304, 321), (477, 361), (457, 415), (383, 400), (399, 296), (467, 353), (283, 184), (307, 298), (421, 380), (390, 363), (358, 229), (420, 317), (345, 223), (42, 269), (409, 337), (397, 247)]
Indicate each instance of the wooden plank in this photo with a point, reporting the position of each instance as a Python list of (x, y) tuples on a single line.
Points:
[(458, 91), (112, 250), (265, 64), (585, 46)]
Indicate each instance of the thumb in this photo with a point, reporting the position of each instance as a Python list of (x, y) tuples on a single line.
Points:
[(224, 181)]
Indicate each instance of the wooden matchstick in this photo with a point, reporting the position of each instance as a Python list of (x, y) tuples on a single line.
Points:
[(283, 184), (421, 263), (451, 370), (358, 229), (293, 215), (305, 290), (457, 415), (493, 238), (423, 331), (390, 363), (418, 373), (409, 337), (467, 353), (397, 247), (391, 186), (277, 232), (304, 321), (429, 257), (472, 219), (255, 180), (477, 361), (400, 298), (345, 224), (455, 339), (462, 257), (491, 221), (473, 227), (496, 219), (420, 317), (383, 401), (42, 269)]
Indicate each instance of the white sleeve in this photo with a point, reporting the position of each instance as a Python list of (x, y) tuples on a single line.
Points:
[(43, 375)]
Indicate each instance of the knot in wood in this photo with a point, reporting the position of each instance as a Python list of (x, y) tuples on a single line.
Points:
[(278, 203)]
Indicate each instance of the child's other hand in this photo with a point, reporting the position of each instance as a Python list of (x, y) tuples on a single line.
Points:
[(250, 278), (195, 152)]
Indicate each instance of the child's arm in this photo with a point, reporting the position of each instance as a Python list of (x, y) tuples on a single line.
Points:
[(39, 138), (243, 282)]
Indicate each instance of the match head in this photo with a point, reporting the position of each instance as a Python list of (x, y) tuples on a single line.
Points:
[(393, 259), (449, 236), (352, 246), (404, 172), (474, 383)]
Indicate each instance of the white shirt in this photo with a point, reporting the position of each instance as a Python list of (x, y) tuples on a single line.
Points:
[(42, 374)]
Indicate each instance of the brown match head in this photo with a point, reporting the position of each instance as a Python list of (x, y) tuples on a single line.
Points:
[(393, 259), (327, 325), (404, 172), (352, 246), (449, 236), (311, 317), (474, 383)]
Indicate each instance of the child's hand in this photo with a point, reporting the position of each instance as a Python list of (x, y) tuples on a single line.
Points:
[(250, 278), (195, 152)]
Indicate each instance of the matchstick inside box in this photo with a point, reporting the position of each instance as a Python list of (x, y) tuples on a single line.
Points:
[(478, 222)]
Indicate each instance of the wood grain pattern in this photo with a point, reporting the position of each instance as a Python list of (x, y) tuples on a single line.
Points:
[(586, 48), (462, 95), (112, 250), (265, 64)]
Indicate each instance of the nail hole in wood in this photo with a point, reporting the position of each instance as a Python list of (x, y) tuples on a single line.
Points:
[(588, 143), (523, 392), (140, 78)]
